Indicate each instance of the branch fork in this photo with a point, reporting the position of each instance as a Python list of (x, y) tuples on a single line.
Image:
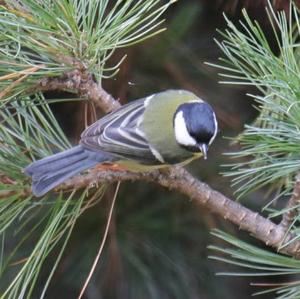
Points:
[(82, 83)]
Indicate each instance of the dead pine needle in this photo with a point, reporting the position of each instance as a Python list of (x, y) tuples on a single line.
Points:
[(101, 244)]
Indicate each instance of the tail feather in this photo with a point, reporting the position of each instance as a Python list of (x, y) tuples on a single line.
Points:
[(50, 181), (51, 163), (51, 171)]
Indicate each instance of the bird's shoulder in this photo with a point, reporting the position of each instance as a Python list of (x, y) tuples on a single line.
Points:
[(133, 113), (158, 124), (126, 115), (118, 133)]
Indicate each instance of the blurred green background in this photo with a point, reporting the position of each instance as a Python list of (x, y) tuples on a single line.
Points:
[(157, 243)]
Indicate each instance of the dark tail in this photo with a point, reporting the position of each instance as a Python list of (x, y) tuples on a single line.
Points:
[(51, 171)]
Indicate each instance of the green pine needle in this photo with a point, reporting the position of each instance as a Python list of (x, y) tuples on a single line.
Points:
[(269, 154), (270, 147), (258, 263), (30, 131), (41, 39)]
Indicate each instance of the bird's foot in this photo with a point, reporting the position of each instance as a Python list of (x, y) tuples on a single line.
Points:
[(110, 166)]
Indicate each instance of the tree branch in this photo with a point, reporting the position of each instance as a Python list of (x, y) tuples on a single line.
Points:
[(180, 180), (83, 83), (175, 178)]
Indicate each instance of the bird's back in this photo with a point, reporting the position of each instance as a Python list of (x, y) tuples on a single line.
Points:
[(158, 124)]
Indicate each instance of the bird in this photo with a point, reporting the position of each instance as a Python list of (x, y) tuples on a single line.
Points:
[(164, 129)]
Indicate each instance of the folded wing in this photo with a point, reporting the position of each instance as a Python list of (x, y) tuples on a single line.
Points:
[(119, 133)]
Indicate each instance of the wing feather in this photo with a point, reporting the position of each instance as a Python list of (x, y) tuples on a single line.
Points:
[(119, 133)]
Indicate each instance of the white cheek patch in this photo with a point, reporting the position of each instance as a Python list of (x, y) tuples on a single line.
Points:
[(181, 133), (216, 130)]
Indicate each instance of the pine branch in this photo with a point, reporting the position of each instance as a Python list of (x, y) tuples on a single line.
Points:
[(176, 178), (180, 180), (269, 152), (83, 83), (49, 36), (276, 77), (50, 45)]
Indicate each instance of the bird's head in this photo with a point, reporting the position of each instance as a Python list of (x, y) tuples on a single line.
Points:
[(195, 126)]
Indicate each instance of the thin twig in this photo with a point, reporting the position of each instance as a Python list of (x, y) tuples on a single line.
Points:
[(293, 203), (102, 243), (25, 73)]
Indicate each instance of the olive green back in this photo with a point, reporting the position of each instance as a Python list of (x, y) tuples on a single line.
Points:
[(158, 124)]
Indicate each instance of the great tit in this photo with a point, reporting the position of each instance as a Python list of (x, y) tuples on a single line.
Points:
[(166, 128)]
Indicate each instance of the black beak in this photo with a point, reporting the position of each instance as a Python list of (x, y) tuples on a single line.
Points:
[(203, 148)]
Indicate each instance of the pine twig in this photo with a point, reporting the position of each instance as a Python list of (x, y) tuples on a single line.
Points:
[(83, 83), (22, 75), (294, 201)]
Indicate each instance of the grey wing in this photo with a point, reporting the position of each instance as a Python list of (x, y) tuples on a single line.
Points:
[(118, 133)]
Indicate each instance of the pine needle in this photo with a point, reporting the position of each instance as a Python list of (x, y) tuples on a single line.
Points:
[(92, 270)]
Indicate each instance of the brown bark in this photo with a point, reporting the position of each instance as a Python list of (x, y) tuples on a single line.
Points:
[(180, 180), (84, 85)]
